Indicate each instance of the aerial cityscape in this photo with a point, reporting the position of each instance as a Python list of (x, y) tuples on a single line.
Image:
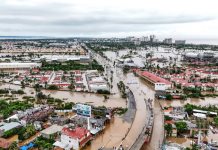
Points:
[(108, 75)]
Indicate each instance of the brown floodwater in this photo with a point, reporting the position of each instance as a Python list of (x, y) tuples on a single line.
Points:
[(196, 101), (112, 135), (186, 142), (94, 99)]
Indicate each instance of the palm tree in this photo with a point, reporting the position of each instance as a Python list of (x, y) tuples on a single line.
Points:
[(22, 84), (13, 146)]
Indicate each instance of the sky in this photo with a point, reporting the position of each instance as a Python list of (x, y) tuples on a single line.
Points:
[(179, 19)]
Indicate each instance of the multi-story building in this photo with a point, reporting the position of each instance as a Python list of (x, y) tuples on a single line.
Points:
[(168, 41), (180, 41), (73, 138)]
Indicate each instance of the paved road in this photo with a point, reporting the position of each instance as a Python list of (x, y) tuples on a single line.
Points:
[(130, 114), (141, 116)]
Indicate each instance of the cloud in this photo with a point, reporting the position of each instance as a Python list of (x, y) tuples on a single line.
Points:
[(108, 17)]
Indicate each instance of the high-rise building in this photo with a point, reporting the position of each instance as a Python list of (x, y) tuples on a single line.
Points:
[(168, 41), (144, 39), (180, 41), (152, 38)]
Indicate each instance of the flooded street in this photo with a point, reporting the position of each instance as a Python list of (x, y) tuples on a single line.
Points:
[(158, 129), (76, 97), (195, 101), (112, 135), (120, 131)]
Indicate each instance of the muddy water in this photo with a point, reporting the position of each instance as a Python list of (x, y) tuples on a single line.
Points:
[(140, 116), (186, 142), (183, 141), (203, 102), (94, 99), (141, 91), (112, 135)]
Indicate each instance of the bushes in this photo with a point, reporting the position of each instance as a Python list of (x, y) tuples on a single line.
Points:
[(181, 127), (103, 92), (169, 129), (53, 87), (120, 110), (126, 69), (121, 86), (2, 91), (43, 143), (23, 132), (169, 97), (66, 106), (189, 108), (26, 132), (71, 65), (40, 95), (167, 118), (18, 92), (6, 109)]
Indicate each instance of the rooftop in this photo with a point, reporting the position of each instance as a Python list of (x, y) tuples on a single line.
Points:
[(75, 133), (154, 78), (8, 126), (52, 129)]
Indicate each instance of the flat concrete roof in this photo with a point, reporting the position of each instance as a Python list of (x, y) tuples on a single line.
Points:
[(52, 129)]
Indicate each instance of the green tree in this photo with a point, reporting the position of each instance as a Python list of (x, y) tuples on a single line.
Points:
[(13, 146), (169, 129), (169, 97), (181, 127), (22, 84), (53, 87)]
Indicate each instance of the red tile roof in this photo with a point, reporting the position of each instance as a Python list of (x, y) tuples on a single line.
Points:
[(154, 77), (44, 79), (85, 140), (4, 143), (75, 133), (169, 122)]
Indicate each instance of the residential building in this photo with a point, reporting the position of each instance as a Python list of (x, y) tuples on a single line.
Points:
[(73, 138), (8, 126), (168, 41), (51, 131), (160, 84), (17, 66), (4, 143)]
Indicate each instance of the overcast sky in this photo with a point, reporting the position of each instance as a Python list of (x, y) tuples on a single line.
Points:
[(189, 19)]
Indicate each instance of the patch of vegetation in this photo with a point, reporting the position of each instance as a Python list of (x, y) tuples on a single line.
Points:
[(66, 106), (43, 143), (181, 127), (169, 129), (72, 65), (22, 132), (18, 92), (53, 87), (6, 109), (189, 108), (126, 69), (121, 86), (103, 92), (120, 110), (4, 91)]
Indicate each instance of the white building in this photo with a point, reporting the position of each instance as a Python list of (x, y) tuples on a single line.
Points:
[(96, 81), (168, 41), (17, 66), (62, 58), (73, 138), (160, 86)]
